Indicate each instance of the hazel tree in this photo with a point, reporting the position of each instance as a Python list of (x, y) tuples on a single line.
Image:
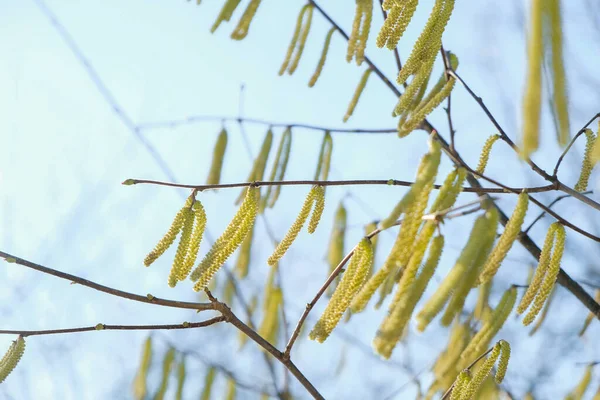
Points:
[(406, 277)]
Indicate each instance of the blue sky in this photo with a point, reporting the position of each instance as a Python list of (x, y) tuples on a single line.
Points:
[(66, 150)]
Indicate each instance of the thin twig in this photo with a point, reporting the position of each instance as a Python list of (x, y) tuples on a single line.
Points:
[(564, 153), (241, 120), (350, 182), (107, 327), (448, 108)]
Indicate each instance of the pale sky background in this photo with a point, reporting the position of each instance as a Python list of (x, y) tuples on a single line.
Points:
[(65, 151)]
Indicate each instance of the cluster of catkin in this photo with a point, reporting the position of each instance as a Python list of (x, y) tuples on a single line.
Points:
[(241, 30)]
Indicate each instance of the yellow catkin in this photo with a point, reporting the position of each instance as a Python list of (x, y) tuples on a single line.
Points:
[(451, 188), (586, 165), (503, 362), (447, 365), (316, 196), (139, 386), (335, 252), (552, 271), (230, 239), (532, 100), (482, 373), (270, 324), (315, 76), (428, 44), (225, 14), (360, 31), (324, 160), (359, 89), (407, 295), (182, 248), (595, 156), (243, 26), (242, 261), (426, 173), (166, 373), (485, 153), (395, 24), (242, 337), (12, 358), (590, 317), (209, 379), (195, 240), (508, 237), (279, 167), (296, 47), (544, 314), (477, 242), (482, 305), (370, 227), (353, 278), (579, 390), (540, 272), (424, 110), (181, 375), (167, 240), (214, 174), (492, 325), (260, 163), (463, 380), (231, 389), (559, 81), (483, 242)]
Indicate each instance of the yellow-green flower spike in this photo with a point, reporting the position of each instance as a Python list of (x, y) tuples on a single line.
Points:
[(270, 324), (540, 272), (315, 196), (279, 167), (209, 379), (242, 262), (225, 14), (590, 317), (586, 165), (298, 41), (579, 390), (167, 240), (353, 278), (335, 252), (12, 358), (195, 240), (482, 373), (324, 160), (260, 163), (214, 175), (491, 326), (483, 242), (550, 277), (428, 43), (322, 59), (463, 381), (595, 157), (139, 383), (451, 188), (508, 237), (231, 389), (177, 269), (229, 241), (181, 374), (426, 173), (532, 101), (503, 363), (485, 153), (359, 89), (559, 81), (166, 373), (360, 31), (395, 24), (243, 26)]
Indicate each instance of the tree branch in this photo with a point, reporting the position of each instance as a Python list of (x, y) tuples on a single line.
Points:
[(351, 182), (105, 327)]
